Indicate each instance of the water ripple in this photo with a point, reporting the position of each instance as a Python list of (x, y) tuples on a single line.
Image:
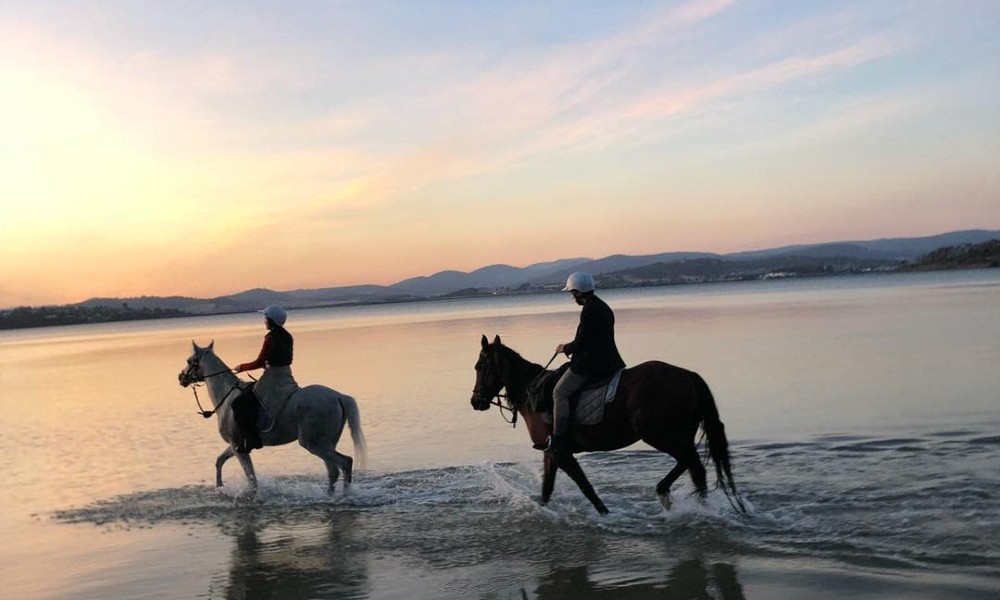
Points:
[(895, 503)]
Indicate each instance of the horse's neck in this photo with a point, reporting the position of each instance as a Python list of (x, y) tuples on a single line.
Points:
[(222, 381), (519, 373)]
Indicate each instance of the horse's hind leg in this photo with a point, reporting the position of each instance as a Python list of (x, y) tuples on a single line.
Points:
[(696, 470), (678, 450), (663, 487), (335, 462), (347, 466)]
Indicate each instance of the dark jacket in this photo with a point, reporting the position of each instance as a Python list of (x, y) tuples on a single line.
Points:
[(593, 352), (276, 351), (281, 354)]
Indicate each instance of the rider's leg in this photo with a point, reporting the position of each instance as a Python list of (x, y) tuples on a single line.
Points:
[(569, 384), (245, 417)]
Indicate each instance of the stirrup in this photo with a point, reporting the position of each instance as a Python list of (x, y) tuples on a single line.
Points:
[(553, 443)]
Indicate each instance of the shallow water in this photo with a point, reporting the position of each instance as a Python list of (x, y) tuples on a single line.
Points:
[(863, 415)]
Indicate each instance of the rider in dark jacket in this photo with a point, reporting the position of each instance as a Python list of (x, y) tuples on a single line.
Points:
[(275, 357), (593, 353)]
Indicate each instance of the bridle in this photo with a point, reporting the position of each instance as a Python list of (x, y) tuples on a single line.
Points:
[(193, 378), (496, 401), (499, 399)]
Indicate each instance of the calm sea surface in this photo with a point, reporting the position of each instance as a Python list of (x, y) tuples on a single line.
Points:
[(863, 412)]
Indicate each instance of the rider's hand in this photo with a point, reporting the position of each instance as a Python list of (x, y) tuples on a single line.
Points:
[(238, 369), (560, 348)]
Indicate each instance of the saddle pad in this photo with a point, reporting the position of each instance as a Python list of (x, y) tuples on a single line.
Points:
[(588, 407)]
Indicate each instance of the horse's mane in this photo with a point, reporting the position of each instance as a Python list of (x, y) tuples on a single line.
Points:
[(516, 356), (510, 352), (517, 368), (208, 351)]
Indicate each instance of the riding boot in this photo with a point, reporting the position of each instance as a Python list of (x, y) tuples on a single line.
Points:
[(253, 440), (240, 445)]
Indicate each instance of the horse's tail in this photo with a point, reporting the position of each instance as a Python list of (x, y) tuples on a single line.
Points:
[(353, 415), (718, 445)]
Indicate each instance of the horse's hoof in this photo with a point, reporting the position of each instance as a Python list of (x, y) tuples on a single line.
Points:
[(247, 498), (666, 501)]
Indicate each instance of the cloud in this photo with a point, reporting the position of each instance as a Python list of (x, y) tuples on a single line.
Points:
[(583, 96), (529, 89), (668, 102), (860, 114)]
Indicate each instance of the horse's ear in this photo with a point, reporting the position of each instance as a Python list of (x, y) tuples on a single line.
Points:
[(496, 340), (195, 346), (484, 342), (210, 344)]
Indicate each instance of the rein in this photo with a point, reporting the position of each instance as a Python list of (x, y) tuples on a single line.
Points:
[(194, 388), (544, 369), (495, 401), (513, 411)]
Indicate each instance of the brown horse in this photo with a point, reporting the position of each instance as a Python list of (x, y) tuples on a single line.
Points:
[(657, 403)]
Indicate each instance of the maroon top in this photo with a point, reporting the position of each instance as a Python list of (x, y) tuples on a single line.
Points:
[(265, 352), (276, 351)]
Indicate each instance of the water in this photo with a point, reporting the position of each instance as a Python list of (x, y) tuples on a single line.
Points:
[(863, 415)]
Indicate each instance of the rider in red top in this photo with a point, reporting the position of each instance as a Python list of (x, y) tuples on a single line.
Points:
[(277, 345), (275, 357)]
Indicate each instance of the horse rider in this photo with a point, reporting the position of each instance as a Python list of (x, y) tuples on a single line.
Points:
[(276, 359), (593, 354)]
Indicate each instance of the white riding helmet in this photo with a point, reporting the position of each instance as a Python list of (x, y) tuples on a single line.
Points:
[(579, 281), (275, 313)]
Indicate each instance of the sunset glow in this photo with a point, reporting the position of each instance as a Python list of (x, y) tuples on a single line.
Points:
[(159, 149)]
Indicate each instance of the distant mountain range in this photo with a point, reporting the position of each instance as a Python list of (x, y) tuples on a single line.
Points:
[(610, 271)]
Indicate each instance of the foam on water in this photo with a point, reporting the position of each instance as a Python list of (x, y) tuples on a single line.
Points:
[(896, 503)]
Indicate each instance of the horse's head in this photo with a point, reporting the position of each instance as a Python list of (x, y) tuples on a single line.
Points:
[(488, 375), (193, 372)]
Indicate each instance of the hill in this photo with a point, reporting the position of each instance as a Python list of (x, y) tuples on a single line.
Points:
[(958, 249), (963, 256)]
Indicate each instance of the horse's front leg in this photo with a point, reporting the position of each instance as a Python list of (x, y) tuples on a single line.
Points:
[(548, 477), (226, 455), (567, 462), (247, 464)]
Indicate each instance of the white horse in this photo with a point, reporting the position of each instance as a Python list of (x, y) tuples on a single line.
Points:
[(314, 415)]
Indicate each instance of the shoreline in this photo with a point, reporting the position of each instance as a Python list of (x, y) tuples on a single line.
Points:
[(157, 313)]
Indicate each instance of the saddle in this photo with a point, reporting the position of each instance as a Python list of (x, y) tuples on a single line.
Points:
[(257, 412), (586, 406), (265, 417)]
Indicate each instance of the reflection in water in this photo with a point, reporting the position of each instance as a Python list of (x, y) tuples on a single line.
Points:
[(688, 579), (310, 563)]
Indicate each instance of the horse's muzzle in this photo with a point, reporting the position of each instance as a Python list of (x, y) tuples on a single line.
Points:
[(479, 403), (183, 380)]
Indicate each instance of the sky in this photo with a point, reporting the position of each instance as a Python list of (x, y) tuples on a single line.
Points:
[(206, 148)]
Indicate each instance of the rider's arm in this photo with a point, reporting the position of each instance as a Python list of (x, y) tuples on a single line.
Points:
[(582, 333), (265, 353)]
